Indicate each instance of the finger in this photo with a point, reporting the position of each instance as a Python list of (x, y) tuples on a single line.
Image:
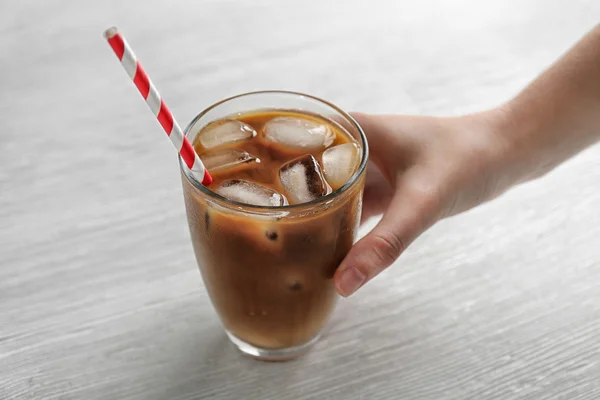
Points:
[(374, 204), (377, 193), (410, 212), (384, 131)]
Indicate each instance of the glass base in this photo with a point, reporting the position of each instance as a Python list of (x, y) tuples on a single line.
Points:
[(271, 354)]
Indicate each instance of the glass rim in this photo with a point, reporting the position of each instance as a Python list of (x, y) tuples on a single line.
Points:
[(321, 200)]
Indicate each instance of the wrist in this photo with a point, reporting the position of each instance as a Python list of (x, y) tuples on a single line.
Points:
[(518, 155), (508, 162)]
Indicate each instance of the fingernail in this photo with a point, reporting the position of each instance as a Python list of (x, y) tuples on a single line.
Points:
[(350, 281)]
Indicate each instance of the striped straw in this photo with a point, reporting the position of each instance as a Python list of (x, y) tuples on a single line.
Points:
[(156, 104)]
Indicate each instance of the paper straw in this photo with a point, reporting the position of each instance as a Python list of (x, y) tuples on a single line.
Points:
[(157, 105)]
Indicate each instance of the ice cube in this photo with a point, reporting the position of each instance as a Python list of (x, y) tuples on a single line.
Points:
[(226, 158), (223, 132), (251, 193), (303, 180), (299, 133), (339, 163)]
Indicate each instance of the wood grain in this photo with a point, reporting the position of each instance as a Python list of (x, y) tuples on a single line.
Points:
[(100, 297)]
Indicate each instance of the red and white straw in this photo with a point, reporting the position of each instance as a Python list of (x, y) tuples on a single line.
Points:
[(156, 104)]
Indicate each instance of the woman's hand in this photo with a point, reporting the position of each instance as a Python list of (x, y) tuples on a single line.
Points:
[(431, 168), (421, 169)]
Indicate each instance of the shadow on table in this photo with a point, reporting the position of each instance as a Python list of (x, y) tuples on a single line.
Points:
[(209, 366), (214, 368)]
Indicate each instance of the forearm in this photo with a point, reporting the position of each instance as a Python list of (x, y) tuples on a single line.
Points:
[(557, 115)]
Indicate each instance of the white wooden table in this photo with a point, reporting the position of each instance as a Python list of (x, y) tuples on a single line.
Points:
[(100, 297)]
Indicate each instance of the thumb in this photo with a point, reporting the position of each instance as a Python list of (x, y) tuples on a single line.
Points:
[(407, 216)]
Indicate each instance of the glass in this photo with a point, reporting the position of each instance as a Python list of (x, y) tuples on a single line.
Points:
[(268, 270)]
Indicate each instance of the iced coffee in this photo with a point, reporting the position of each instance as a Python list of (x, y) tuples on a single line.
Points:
[(278, 219)]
